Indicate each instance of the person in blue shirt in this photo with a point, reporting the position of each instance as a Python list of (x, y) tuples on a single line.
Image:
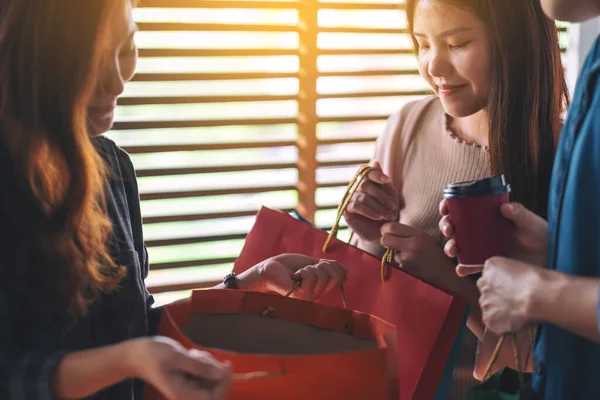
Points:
[(563, 298)]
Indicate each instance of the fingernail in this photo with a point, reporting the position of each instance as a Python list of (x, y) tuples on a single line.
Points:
[(510, 208), (385, 179)]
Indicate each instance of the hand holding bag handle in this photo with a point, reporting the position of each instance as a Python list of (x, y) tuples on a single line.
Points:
[(353, 186)]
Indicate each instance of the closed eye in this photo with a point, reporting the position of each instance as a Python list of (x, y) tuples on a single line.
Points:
[(459, 46)]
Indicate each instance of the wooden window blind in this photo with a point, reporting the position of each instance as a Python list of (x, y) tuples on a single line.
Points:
[(239, 104)]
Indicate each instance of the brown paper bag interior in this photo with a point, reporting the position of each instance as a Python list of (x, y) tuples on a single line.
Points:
[(254, 334)]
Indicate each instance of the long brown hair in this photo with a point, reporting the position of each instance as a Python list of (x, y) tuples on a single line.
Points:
[(50, 51), (528, 93)]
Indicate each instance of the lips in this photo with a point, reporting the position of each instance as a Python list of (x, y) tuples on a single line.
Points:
[(447, 90)]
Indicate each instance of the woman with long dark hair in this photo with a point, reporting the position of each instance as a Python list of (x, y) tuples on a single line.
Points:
[(495, 68), (75, 316)]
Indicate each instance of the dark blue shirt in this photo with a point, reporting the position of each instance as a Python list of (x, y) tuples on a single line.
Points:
[(28, 359), (567, 366)]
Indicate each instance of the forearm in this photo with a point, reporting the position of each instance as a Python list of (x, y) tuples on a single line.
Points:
[(568, 302), (83, 373)]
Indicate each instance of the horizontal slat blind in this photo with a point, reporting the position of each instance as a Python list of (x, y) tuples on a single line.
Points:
[(239, 104)]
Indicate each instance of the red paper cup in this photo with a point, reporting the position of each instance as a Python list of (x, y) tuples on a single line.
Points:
[(480, 230)]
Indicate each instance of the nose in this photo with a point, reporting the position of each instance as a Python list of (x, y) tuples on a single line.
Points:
[(112, 81), (439, 64)]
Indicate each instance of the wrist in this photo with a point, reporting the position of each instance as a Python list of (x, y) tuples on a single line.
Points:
[(545, 290), (132, 351), (254, 278)]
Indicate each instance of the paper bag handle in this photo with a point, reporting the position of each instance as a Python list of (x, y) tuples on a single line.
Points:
[(352, 187), (496, 355)]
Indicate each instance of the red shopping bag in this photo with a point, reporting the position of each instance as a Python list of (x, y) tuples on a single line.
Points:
[(283, 349), (427, 319)]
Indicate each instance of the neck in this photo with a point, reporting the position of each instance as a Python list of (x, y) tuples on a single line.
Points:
[(473, 129)]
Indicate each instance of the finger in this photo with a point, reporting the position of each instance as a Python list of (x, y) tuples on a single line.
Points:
[(518, 214), (308, 283), (398, 259), (392, 192), (337, 275), (390, 189), (222, 388), (188, 388), (491, 263), (377, 165), (463, 271), (481, 283), (200, 364), (394, 242), (446, 227), (360, 206), (377, 193), (400, 230), (377, 175), (450, 249), (339, 269), (381, 211), (322, 279), (444, 208)]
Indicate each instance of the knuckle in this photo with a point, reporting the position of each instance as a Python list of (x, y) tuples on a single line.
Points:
[(365, 186), (490, 262), (385, 240), (351, 209)]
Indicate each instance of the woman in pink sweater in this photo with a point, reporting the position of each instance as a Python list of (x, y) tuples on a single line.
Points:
[(495, 68)]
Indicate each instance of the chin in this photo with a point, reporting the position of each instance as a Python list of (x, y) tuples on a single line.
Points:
[(99, 126), (457, 109)]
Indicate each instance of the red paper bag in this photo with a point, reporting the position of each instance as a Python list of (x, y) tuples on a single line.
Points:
[(283, 349), (427, 318)]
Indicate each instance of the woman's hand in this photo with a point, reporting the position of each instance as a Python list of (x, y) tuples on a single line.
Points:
[(419, 254), (176, 372), (529, 241), (318, 277), (375, 202)]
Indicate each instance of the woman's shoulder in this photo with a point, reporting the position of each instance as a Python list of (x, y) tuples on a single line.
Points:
[(413, 112), (118, 160), (411, 118)]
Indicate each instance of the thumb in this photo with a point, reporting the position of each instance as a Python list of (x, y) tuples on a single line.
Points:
[(377, 165), (517, 213)]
